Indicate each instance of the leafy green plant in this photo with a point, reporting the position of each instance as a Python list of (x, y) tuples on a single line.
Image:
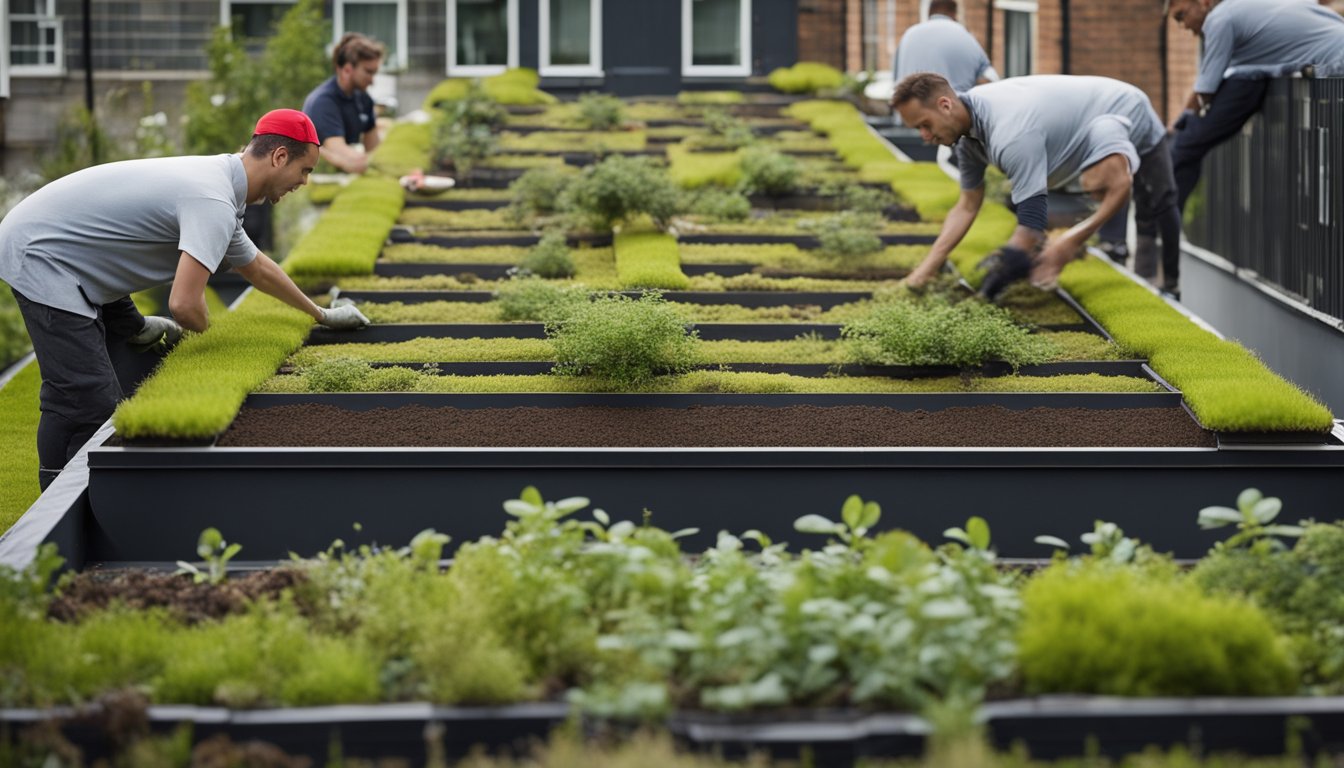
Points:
[(767, 172), (935, 331), (1095, 626), (806, 77), (345, 374), (733, 131), (857, 517), (215, 554), (463, 145), (533, 299), (550, 257), (601, 111), (538, 192), (848, 233), (859, 198), (620, 189), (626, 341), (1252, 517), (717, 203)]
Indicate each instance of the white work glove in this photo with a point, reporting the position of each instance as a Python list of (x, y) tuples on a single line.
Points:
[(343, 318), (156, 328)]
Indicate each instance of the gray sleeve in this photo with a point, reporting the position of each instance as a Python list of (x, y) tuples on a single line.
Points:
[(209, 230), (971, 166), (1218, 41), (1025, 164)]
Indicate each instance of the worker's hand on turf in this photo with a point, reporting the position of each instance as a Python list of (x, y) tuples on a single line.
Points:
[(343, 318), (1003, 267), (921, 275), (156, 329)]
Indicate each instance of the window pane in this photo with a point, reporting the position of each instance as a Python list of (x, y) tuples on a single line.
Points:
[(255, 21), (28, 6), (571, 23), (377, 20), (1017, 46), (482, 32), (23, 33), (716, 34)]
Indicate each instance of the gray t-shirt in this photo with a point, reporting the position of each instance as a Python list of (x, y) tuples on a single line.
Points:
[(1044, 130), (1270, 33), (943, 46), (105, 232)]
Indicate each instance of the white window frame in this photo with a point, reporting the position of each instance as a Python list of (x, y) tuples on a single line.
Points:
[(594, 67), (226, 8), (717, 70), (48, 20), (481, 70), (403, 37), (4, 49), (1031, 7)]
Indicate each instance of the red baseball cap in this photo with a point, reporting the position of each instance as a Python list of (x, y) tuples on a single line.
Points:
[(290, 123)]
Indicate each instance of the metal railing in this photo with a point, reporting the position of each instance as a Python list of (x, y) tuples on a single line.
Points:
[(1273, 196)]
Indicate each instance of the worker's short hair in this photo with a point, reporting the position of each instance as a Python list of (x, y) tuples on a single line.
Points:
[(266, 143), (945, 7), (354, 48), (923, 87)]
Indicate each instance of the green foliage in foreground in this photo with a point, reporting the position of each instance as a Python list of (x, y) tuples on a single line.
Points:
[(648, 260), (200, 386), (626, 341), (18, 435), (1226, 386), (350, 234), (806, 77), (935, 331), (1098, 627), (756, 383)]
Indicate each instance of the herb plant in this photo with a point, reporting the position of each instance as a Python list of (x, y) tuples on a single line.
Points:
[(626, 341), (846, 234), (550, 258), (215, 554), (601, 111), (619, 189), (537, 193), (935, 331), (767, 172), (535, 300)]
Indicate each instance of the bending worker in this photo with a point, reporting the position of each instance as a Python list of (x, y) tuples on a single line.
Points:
[(1044, 132), (943, 45), (341, 107), (1245, 43), (73, 252)]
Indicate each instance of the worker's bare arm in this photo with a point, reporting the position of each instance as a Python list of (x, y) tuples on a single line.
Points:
[(270, 279), (186, 301)]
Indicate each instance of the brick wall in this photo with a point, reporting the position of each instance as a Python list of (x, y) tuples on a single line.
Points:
[(821, 32)]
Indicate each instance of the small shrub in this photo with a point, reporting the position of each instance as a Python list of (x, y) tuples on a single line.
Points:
[(624, 340), (550, 258), (476, 108), (620, 188), (345, 374), (767, 172), (806, 77), (462, 144), (716, 203), (1099, 627), (934, 331), (860, 199), (734, 130), (538, 192), (847, 233), (601, 111), (532, 299)]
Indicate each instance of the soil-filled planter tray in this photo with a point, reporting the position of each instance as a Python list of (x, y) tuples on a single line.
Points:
[(825, 300), (393, 332), (298, 496), (1134, 368), (806, 242), (403, 234)]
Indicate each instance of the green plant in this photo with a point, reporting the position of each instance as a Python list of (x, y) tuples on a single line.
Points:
[(717, 204), (619, 189), (533, 299), (550, 258), (350, 234), (215, 554), (734, 131), (693, 170), (344, 374), (848, 233), (857, 517), (405, 148), (601, 111), (80, 142), (934, 331), (806, 77), (767, 172), (859, 198), (710, 97), (1253, 516), (476, 107), (1095, 626), (462, 144), (538, 193), (626, 341)]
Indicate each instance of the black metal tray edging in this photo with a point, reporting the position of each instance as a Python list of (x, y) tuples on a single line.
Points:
[(480, 270), (456, 205)]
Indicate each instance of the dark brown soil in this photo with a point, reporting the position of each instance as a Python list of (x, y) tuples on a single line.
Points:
[(188, 601), (727, 426)]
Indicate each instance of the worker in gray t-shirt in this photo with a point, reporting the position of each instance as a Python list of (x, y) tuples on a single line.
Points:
[(1245, 42), (943, 45), (1044, 132), (74, 251)]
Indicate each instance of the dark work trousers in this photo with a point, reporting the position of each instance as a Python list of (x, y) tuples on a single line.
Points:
[(1236, 100), (79, 385), (1116, 228), (1155, 210)]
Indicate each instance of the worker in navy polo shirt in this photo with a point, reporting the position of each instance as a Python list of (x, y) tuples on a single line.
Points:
[(341, 107), (73, 252)]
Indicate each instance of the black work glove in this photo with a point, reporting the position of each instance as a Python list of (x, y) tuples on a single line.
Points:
[(1003, 267)]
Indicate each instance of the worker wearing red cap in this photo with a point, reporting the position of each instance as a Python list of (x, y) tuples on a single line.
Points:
[(74, 251)]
